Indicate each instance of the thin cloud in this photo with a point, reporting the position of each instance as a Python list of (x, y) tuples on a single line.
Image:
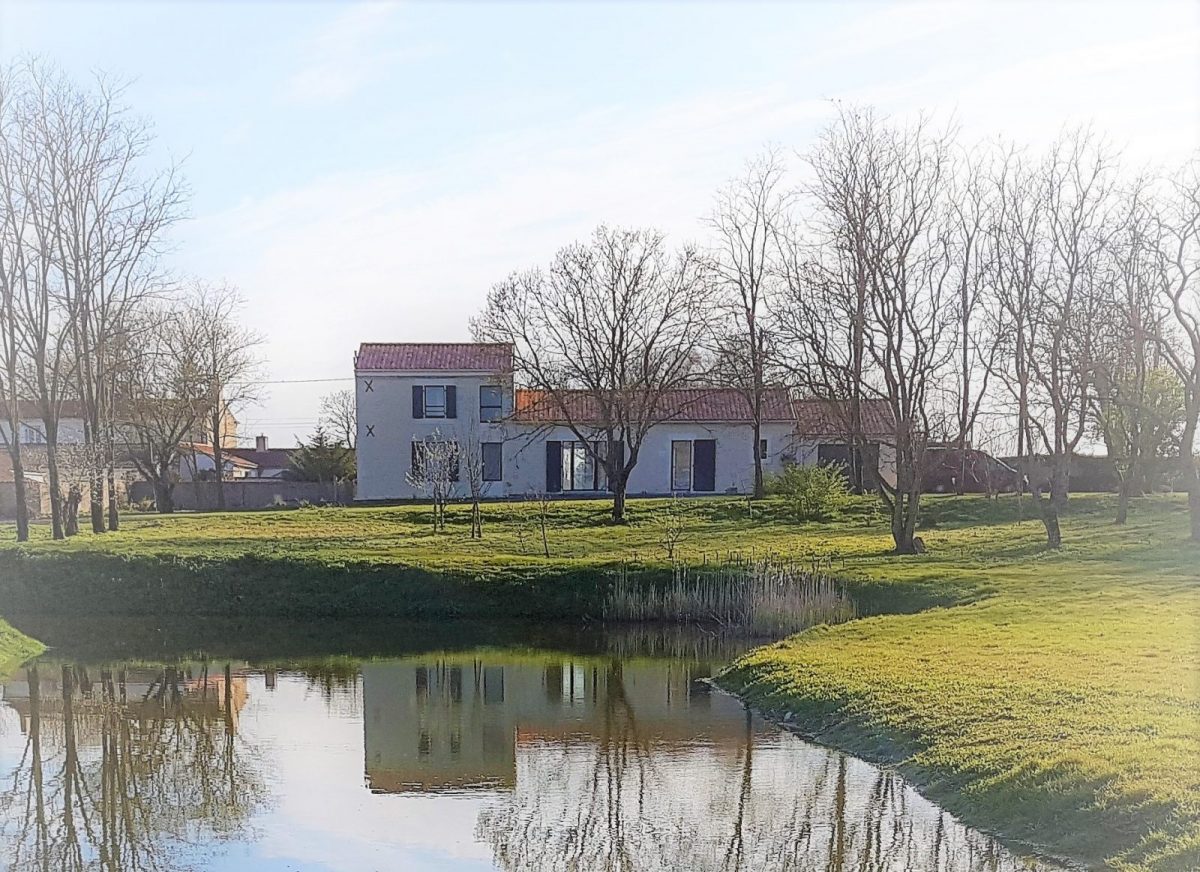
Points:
[(356, 49)]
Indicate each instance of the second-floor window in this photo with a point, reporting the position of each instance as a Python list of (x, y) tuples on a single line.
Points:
[(434, 401), (491, 403)]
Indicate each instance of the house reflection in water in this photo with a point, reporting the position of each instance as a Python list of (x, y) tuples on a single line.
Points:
[(448, 723), (589, 763)]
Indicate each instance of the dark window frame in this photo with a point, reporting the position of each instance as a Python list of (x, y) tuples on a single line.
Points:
[(498, 447), (491, 412)]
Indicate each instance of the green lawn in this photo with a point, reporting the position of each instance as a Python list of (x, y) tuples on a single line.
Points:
[(1058, 702)]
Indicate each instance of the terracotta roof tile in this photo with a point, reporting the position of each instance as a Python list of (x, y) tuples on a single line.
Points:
[(488, 357), (827, 419), (686, 404)]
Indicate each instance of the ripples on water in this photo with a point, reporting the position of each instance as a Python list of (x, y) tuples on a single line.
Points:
[(601, 753)]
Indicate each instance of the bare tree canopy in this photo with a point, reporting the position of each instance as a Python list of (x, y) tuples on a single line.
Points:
[(868, 310), (339, 414), (83, 225), (619, 319), (748, 216)]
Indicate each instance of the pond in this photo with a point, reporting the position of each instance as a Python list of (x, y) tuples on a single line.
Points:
[(432, 748)]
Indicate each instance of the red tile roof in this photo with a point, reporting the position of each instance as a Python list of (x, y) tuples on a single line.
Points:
[(272, 458), (826, 419), (686, 404), (490, 357), (27, 410), (227, 456)]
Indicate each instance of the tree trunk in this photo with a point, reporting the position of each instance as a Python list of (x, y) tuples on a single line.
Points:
[(758, 461), (1050, 521), (1050, 507), (19, 493), (1191, 475), (114, 516), (96, 496), (164, 500), (54, 483), (1123, 499), (218, 461), (618, 507)]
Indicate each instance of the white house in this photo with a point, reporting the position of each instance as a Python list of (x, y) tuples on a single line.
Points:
[(463, 392)]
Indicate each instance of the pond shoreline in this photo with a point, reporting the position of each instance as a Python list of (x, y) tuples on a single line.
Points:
[(811, 732)]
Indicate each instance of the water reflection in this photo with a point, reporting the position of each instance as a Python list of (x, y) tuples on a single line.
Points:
[(606, 754), (119, 765)]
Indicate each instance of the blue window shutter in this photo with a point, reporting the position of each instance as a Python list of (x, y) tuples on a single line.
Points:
[(704, 465), (418, 405), (553, 467), (451, 401)]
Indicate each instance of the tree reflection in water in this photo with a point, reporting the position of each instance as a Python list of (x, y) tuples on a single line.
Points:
[(623, 799), (133, 769)]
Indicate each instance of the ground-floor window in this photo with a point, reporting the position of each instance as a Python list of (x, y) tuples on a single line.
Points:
[(681, 465), (570, 466), (694, 465), (579, 468), (493, 461)]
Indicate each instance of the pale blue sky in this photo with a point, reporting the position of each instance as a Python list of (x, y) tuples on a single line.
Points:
[(364, 172)]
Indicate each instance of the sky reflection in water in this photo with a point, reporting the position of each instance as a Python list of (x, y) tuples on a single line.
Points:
[(494, 758)]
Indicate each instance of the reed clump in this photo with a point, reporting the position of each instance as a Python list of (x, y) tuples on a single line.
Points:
[(760, 598)]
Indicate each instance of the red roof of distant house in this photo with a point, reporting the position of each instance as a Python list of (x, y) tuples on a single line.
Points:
[(227, 456), (827, 419), (272, 458), (27, 410), (685, 404), (491, 357)]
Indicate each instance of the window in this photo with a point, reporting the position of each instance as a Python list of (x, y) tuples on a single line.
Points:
[(435, 401), (762, 449), (681, 466), (579, 468), (493, 461), (694, 465), (32, 435), (491, 403), (425, 451)]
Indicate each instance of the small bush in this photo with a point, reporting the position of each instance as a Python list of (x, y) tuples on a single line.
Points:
[(811, 493)]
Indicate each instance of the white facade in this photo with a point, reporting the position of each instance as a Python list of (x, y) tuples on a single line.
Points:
[(387, 428), (32, 431)]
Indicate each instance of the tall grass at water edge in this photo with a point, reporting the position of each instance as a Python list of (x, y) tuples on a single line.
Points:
[(760, 598)]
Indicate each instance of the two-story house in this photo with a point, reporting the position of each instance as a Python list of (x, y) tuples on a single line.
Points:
[(408, 393)]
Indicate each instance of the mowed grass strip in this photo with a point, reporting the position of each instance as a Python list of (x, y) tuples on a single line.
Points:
[(1058, 702)]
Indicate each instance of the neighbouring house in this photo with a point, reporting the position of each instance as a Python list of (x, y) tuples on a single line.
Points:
[(949, 469), (407, 392), (197, 463), (268, 462), (820, 438)]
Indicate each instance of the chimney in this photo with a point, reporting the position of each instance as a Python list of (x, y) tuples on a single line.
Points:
[(260, 443)]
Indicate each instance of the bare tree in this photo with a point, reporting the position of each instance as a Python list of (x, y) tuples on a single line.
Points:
[(606, 335), (435, 472), (749, 214), (14, 218), (1057, 311), (339, 412), (230, 364), (165, 393), (40, 327), (1180, 289), (477, 484), (1131, 398), (878, 270), (972, 212), (105, 229)]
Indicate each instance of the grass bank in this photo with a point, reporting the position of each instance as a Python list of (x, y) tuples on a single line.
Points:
[(15, 648), (1057, 702), (361, 562), (1062, 709)]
